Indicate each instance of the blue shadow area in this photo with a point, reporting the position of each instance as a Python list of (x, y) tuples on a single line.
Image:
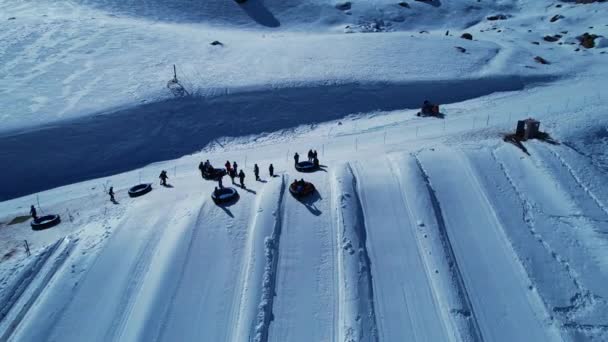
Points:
[(66, 152)]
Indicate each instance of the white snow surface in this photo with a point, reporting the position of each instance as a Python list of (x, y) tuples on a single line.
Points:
[(420, 229)]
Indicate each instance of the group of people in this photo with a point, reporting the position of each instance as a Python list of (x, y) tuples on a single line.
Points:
[(232, 171), (312, 157)]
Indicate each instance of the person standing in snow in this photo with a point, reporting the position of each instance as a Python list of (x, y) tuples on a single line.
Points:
[(256, 172), (235, 167), (228, 167), (310, 155), (232, 175), (111, 193), (201, 167), (242, 179), (163, 178), (296, 157), (33, 213), (314, 154), (271, 170)]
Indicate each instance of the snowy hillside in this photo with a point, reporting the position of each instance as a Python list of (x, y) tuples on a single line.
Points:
[(420, 228)]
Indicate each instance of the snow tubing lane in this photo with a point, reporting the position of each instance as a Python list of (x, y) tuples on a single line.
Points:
[(140, 190), (225, 195), (306, 166), (45, 222), (304, 191), (215, 174)]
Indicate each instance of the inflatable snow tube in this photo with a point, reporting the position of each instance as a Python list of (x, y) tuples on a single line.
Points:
[(140, 190), (45, 222), (301, 190), (224, 195), (214, 174), (306, 166)]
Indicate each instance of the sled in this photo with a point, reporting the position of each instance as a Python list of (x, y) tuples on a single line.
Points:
[(45, 222), (299, 190), (224, 195), (306, 166), (140, 190)]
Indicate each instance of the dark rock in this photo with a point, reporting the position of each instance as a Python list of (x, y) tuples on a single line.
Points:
[(541, 60), (587, 40), (467, 36), (344, 6), (404, 4), (556, 18), (461, 49), (536, 43), (550, 38), (498, 17), (216, 42), (12, 18)]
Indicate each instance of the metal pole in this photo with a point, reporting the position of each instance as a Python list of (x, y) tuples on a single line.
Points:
[(488, 120)]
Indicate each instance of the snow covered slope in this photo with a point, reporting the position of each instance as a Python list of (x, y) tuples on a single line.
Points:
[(420, 229)]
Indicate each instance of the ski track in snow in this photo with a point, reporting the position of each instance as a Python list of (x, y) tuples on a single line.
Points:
[(33, 281), (405, 305), (503, 301), (552, 215), (306, 287), (356, 314)]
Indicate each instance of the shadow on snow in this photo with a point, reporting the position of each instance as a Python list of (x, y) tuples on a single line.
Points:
[(71, 151)]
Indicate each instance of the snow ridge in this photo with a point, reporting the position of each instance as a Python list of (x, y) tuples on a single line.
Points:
[(578, 180), (467, 311), (583, 298), (33, 281), (271, 245), (357, 317)]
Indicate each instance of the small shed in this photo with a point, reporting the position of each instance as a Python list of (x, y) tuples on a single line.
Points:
[(527, 129)]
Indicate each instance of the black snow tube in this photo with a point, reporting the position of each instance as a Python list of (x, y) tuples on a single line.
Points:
[(140, 190), (224, 195), (306, 166), (45, 222), (299, 190), (214, 174)]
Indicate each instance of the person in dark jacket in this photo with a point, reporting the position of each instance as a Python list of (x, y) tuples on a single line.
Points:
[(316, 162), (201, 167), (33, 213), (256, 172), (310, 155), (235, 167), (314, 154), (232, 175), (242, 179), (271, 170), (228, 167), (296, 157), (163, 178)]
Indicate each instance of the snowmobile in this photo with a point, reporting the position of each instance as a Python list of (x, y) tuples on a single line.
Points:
[(429, 109)]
